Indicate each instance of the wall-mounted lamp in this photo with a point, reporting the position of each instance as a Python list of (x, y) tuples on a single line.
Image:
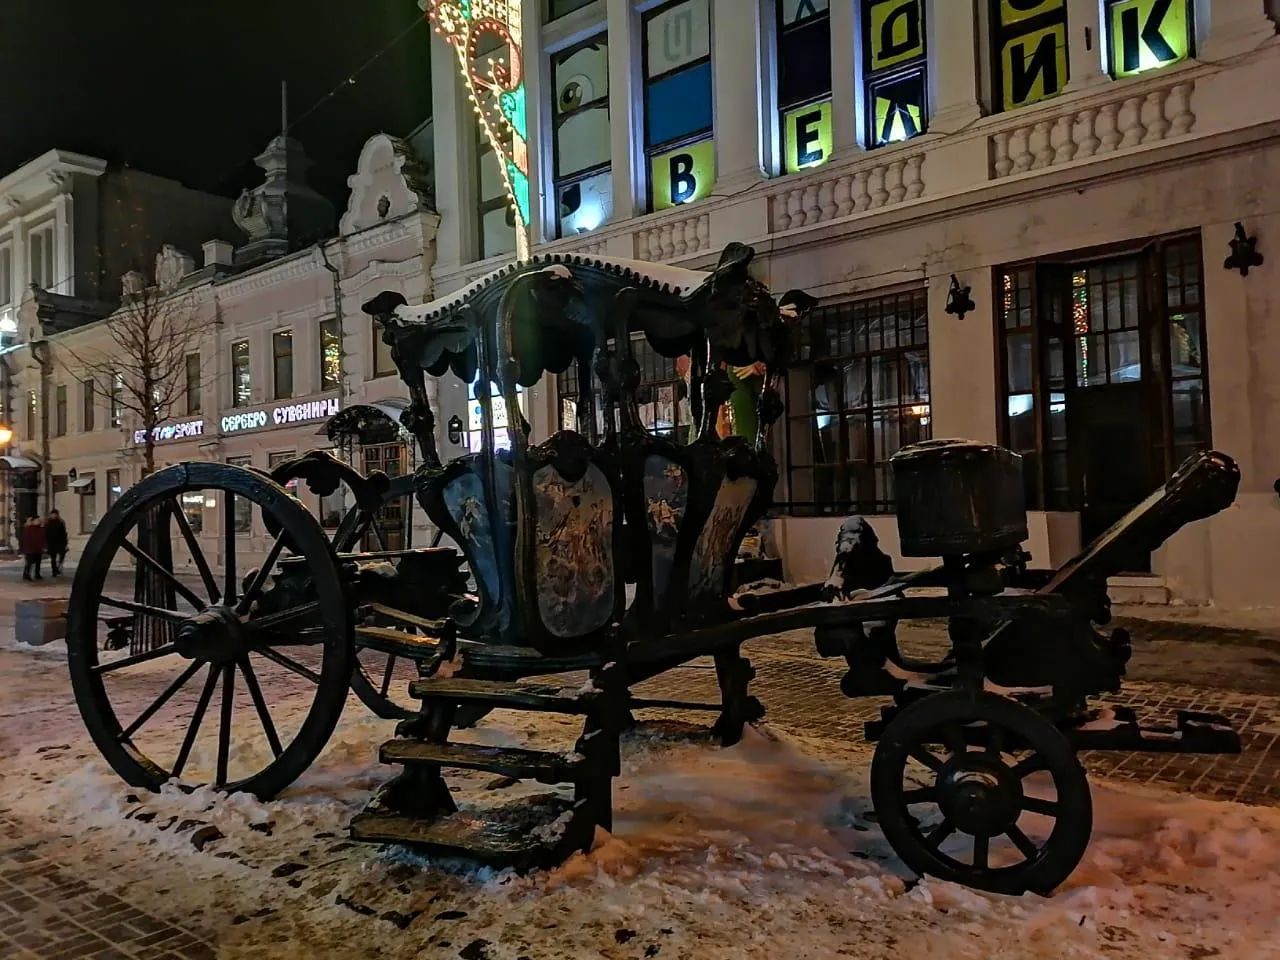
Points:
[(455, 429), (958, 300), (1244, 252)]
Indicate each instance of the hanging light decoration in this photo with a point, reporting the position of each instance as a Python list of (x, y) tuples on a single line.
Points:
[(495, 87)]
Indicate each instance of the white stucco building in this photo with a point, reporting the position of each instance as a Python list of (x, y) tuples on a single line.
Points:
[(1079, 165)]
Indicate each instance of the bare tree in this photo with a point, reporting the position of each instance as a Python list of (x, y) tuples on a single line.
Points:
[(142, 371)]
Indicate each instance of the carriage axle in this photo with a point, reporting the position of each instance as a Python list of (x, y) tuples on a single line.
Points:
[(216, 635)]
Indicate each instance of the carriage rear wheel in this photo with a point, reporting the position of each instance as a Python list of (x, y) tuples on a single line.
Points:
[(277, 683), (977, 789)]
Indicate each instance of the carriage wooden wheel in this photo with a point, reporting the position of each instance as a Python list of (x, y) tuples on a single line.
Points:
[(969, 810), (276, 683)]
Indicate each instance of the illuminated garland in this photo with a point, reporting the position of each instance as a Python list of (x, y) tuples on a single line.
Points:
[(496, 91)]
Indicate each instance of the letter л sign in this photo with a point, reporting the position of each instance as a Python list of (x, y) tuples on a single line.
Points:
[(807, 136), (1147, 35), (683, 175)]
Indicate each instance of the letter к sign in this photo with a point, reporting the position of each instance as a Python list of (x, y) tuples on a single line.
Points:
[(1147, 35)]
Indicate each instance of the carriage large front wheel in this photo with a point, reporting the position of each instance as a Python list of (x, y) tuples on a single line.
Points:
[(208, 691)]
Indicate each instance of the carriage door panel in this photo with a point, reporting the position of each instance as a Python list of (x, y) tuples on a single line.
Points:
[(666, 496)]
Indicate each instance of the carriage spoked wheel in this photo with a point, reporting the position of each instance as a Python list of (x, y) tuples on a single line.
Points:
[(380, 680), (210, 690), (979, 790)]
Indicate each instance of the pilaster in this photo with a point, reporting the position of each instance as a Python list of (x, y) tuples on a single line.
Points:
[(1229, 28), (844, 76), (455, 157), (1086, 46), (624, 115), (954, 40), (735, 27)]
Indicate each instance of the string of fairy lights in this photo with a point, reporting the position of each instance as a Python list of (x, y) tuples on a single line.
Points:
[(495, 88)]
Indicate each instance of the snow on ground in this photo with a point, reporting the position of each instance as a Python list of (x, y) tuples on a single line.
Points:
[(766, 849)]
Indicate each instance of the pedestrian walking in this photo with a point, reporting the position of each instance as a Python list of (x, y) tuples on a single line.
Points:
[(33, 547), (55, 541)]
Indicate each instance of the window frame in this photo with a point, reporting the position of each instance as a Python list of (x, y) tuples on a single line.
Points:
[(485, 207), (32, 414), (242, 461), (88, 405), (998, 34), (330, 329), (60, 410), (238, 402), (46, 232), (115, 401), (871, 78), (646, 81), (6, 272), (843, 468), (195, 385), (559, 183), (380, 350), (112, 496), (780, 30), (88, 505), (279, 337)]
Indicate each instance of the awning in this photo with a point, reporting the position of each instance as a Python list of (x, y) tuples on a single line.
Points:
[(81, 485), (368, 423), (19, 463)]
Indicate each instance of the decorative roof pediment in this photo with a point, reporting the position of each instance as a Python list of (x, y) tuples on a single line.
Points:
[(390, 181)]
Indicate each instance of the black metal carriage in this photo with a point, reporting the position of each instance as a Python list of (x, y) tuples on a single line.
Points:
[(552, 535)]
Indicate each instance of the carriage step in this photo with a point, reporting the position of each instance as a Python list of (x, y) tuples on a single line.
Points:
[(1117, 728), (398, 643), (525, 835), (513, 696), (507, 761)]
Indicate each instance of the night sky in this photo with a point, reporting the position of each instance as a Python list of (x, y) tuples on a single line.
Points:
[(192, 90)]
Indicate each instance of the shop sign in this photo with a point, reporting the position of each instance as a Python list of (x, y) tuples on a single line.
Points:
[(281, 416), (183, 430)]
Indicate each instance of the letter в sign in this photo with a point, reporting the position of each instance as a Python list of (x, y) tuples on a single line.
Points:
[(683, 175)]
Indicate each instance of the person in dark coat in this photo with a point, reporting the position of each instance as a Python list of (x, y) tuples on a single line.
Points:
[(55, 541), (32, 547)]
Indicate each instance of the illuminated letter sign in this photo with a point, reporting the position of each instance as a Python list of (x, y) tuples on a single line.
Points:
[(497, 88), (1013, 11), (1147, 34), (683, 175), (1031, 51), (808, 135), (896, 32)]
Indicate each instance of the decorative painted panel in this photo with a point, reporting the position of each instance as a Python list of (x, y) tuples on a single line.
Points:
[(707, 568), (487, 546), (666, 497), (576, 572)]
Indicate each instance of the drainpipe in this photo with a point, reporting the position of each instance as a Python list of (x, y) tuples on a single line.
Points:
[(40, 350)]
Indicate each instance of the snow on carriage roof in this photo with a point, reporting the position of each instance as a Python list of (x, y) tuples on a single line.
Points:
[(663, 276)]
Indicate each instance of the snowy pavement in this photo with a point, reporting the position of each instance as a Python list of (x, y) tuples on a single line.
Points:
[(767, 849)]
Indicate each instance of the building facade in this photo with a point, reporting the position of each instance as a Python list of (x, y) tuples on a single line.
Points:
[(275, 346), (1079, 166)]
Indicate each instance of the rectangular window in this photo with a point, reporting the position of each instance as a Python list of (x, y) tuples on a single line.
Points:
[(193, 506), (804, 82), (88, 405), (857, 393), (278, 459), (893, 70), (241, 385), (678, 103), (1145, 35), (497, 218), (6, 276), (40, 259), (282, 363), (330, 355), (113, 488), (117, 399), (88, 504), (383, 365), (580, 136), (474, 439), (243, 521), (555, 9), (195, 389), (1029, 51), (60, 410), (32, 410), (662, 395), (334, 507)]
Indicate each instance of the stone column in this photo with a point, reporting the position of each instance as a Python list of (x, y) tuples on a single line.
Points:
[(1232, 27), (954, 36), (626, 138), (64, 262), (736, 58), (1086, 45), (455, 157), (845, 102), (21, 269)]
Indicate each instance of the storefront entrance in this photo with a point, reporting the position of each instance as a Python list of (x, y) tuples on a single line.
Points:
[(1105, 378), (391, 531)]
